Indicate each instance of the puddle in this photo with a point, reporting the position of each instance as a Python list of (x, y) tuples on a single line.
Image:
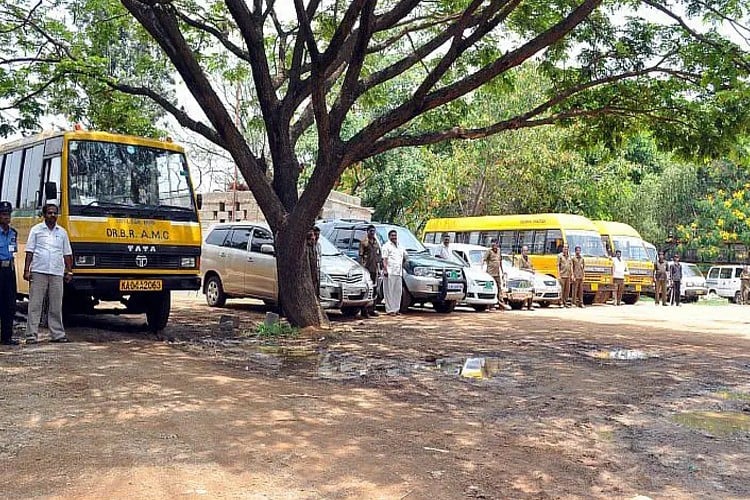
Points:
[(486, 367), (620, 354), (719, 423), (333, 366)]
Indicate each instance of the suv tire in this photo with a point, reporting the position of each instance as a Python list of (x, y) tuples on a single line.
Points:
[(406, 299), (444, 306)]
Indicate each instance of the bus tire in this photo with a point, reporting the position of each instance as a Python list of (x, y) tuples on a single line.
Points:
[(631, 299), (157, 312)]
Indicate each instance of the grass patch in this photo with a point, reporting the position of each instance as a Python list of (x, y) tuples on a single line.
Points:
[(277, 330), (733, 395)]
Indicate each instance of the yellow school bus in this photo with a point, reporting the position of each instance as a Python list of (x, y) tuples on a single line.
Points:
[(128, 206), (623, 237), (544, 234)]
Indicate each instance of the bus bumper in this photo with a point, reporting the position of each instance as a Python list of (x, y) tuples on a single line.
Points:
[(110, 286)]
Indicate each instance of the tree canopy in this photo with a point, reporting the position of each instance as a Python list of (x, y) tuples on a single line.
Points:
[(359, 78)]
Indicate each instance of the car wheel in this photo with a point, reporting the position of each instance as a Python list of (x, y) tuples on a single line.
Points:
[(215, 296), (737, 297), (350, 312), (445, 306), (480, 307), (516, 305), (544, 304), (406, 299)]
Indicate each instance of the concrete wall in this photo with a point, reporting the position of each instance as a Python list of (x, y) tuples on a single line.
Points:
[(241, 206)]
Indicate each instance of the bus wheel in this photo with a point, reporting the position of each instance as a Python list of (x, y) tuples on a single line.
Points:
[(631, 299), (157, 312)]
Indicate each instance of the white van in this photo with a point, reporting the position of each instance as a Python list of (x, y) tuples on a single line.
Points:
[(724, 281)]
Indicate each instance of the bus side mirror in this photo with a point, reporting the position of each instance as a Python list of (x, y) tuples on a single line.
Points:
[(50, 191), (199, 200)]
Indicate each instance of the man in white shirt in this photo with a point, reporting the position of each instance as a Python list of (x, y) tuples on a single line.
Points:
[(393, 268), (619, 270), (445, 252), (49, 261)]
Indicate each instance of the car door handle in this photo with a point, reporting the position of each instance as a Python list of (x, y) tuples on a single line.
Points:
[(222, 254), (250, 259)]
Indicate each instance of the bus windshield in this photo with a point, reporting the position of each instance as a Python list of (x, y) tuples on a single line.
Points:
[(589, 241), (631, 247), (107, 177)]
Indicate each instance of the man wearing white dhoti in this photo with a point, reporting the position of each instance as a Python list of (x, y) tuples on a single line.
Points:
[(393, 269)]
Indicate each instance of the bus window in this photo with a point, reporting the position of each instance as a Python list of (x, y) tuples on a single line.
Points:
[(10, 179), (429, 237), (462, 237), (32, 178), (474, 238), (553, 242), (607, 245), (507, 241), (486, 237)]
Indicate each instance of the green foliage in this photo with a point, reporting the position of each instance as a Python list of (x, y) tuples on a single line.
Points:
[(277, 330)]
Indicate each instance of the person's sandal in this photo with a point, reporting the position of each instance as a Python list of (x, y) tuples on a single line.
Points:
[(61, 340), (31, 341)]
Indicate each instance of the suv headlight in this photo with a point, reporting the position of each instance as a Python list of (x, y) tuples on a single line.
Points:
[(326, 280), (424, 272)]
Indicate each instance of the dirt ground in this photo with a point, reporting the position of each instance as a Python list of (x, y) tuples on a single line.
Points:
[(604, 402)]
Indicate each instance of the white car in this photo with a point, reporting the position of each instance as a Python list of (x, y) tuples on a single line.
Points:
[(481, 289), (547, 289)]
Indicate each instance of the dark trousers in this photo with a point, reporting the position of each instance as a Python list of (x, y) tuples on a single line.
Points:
[(675, 295), (577, 291), (7, 302)]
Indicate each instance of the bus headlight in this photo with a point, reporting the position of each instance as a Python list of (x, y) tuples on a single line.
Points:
[(187, 262), (85, 261)]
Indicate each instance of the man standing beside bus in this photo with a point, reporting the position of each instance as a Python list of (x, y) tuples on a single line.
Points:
[(493, 260), (8, 247), (661, 268), (393, 268), (619, 270), (577, 275), (524, 264), (565, 272), (49, 261)]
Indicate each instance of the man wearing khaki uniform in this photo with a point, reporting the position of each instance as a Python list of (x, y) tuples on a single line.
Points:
[(565, 272), (579, 268), (661, 269), (493, 261)]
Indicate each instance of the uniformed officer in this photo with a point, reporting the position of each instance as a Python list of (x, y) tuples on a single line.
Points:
[(8, 248), (565, 273)]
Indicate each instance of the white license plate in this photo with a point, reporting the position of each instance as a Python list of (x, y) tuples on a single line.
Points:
[(353, 291), (455, 286)]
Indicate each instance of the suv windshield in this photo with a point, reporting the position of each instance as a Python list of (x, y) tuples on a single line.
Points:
[(589, 241), (405, 238), (106, 176), (327, 248)]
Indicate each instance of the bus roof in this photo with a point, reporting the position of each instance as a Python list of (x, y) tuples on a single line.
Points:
[(613, 228), (89, 135), (495, 222)]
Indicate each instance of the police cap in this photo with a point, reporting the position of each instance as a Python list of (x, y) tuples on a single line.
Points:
[(6, 207)]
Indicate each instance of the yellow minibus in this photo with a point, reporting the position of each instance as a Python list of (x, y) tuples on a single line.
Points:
[(128, 206), (623, 237), (544, 234)]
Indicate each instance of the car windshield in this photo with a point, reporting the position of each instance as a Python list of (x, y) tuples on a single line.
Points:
[(631, 247), (103, 176), (476, 257), (691, 271), (405, 238), (589, 241), (327, 248)]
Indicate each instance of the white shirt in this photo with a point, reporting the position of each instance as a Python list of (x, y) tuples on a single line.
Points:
[(393, 259), (446, 252), (48, 246), (619, 268)]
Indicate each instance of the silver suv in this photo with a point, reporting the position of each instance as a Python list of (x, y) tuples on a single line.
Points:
[(237, 261)]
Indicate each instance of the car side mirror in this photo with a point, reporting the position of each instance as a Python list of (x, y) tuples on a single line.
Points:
[(267, 248)]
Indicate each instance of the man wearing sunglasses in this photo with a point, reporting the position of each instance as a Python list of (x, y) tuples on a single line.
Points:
[(49, 262)]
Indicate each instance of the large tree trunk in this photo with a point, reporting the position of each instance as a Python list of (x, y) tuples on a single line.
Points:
[(299, 300)]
